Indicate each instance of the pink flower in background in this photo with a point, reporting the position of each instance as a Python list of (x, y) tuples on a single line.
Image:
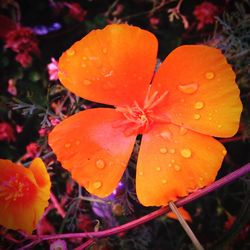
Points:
[(205, 14), (53, 69), (54, 121), (12, 87), (76, 11), (58, 244), (32, 151), (42, 132), (23, 41), (154, 21), (19, 129), (6, 132)]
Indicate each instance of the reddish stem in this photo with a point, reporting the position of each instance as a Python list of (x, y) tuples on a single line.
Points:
[(105, 233), (57, 205), (236, 138), (85, 244)]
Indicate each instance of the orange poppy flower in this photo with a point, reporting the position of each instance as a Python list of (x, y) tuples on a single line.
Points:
[(192, 97), (24, 194)]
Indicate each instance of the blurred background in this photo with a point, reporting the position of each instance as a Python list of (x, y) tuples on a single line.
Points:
[(33, 35)]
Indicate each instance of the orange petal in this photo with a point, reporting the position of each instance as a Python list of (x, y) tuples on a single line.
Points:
[(173, 162), (185, 214), (96, 153), (114, 65), (203, 95), (22, 201)]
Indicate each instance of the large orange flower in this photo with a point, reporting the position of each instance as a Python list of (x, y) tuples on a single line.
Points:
[(192, 97), (24, 194)]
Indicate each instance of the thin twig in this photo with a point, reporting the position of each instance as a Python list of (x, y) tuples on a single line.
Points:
[(85, 245), (57, 205), (185, 226)]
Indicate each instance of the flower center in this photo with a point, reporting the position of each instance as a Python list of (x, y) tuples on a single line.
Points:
[(139, 120), (12, 189)]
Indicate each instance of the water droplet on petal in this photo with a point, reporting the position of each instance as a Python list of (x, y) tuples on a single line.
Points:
[(166, 135), (164, 181), (100, 164), (210, 75), (197, 116), (158, 169), (186, 153), (104, 50), (78, 142), (97, 184), (172, 161), (83, 65), (67, 145), (169, 164), (188, 88), (183, 131), (163, 150), (201, 179), (219, 126), (172, 151), (224, 151), (87, 82), (70, 52), (210, 118), (199, 105), (140, 173), (177, 167), (84, 58)]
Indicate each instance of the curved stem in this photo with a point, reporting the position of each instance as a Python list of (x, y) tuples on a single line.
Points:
[(181, 202)]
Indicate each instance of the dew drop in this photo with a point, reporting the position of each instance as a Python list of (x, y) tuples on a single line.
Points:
[(100, 164), (210, 118), (67, 145), (199, 105), (177, 167), (183, 131), (224, 152), (209, 75), (70, 52), (186, 153), (84, 58), (188, 88), (158, 169), (201, 179), (104, 50), (164, 181), (78, 142), (172, 161), (166, 135), (169, 164), (197, 116), (172, 151), (87, 82), (83, 65), (97, 184), (219, 126), (163, 150), (140, 173)]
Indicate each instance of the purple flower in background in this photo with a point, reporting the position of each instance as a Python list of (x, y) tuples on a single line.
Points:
[(44, 30)]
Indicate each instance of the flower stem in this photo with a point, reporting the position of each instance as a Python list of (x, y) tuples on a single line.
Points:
[(185, 226), (181, 202)]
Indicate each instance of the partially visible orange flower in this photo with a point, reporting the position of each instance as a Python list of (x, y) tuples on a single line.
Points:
[(185, 214), (192, 97), (24, 194)]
